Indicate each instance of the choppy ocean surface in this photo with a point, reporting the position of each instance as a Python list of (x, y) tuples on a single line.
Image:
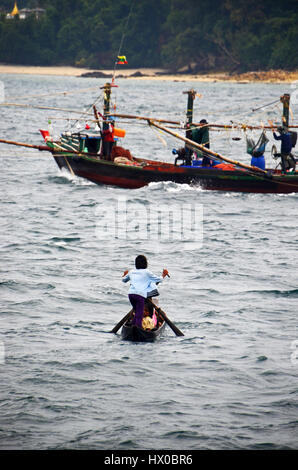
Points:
[(66, 382)]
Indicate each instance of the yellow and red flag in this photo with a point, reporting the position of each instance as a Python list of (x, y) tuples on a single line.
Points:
[(121, 59)]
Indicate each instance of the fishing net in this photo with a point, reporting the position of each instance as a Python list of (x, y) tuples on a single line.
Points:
[(256, 149), (121, 152)]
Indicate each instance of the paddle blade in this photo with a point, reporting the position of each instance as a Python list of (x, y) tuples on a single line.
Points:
[(171, 325), (124, 319), (167, 320)]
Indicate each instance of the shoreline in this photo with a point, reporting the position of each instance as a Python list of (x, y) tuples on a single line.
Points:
[(270, 76)]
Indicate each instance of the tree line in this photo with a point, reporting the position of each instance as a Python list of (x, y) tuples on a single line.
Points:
[(220, 35)]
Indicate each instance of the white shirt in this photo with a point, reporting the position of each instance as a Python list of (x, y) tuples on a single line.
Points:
[(141, 281)]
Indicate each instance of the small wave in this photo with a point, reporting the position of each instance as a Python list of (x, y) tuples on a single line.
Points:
[(276, 292), (262, 358), (171, 187), (65, 239), (64, 177), (181, 434), (88, 325), (29, 303), (268, 373), (278, 196), (11, 284), (83, 366), (268, 446), (22, 286), (285, 404)]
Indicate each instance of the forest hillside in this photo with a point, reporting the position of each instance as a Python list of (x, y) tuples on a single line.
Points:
[(199, 36)]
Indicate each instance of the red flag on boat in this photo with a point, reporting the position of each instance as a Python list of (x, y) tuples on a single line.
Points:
[(45, 134)]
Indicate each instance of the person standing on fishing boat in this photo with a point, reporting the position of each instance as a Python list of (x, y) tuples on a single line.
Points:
[(141, 280), (108, 140), (287, 160), (200, 135)]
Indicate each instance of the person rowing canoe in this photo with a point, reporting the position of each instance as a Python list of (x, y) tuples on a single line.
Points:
[(142, 285)]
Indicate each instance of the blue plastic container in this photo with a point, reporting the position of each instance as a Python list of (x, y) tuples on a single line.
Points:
[(259, 162)]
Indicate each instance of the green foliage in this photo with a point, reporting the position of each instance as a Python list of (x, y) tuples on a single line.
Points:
[(226, 35)]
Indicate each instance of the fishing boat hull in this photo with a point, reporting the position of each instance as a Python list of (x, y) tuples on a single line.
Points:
[(147, 171), (134, 333)]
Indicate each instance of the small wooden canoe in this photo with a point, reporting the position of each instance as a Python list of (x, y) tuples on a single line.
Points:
[(131, 332)]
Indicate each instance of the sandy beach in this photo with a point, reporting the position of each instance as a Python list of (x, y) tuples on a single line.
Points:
[(271, 76), (34, 70)]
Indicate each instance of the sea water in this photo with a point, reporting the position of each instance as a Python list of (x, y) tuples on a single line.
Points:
[(67, 383)]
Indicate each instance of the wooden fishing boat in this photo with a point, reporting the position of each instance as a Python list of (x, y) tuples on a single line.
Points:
[(144, 172), (80, 154), (84, 155), (131, 332)]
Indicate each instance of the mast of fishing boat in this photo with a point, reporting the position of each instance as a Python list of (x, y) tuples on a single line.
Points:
[(189, 117), (285, 99), (106, 104), (189, 111), (106, 134)]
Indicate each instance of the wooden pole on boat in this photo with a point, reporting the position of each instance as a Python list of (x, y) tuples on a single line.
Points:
[(124, 319), (31, 146), (143, 118), (24, 105), (96, 116), (195, 146), (177, 123), (166, 318), (45, 148), (106, 103), (285, 99), (189, 116), (189, 111)]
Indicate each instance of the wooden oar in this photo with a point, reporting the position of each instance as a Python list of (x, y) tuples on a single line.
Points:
[(166, 319), (124, 319)]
